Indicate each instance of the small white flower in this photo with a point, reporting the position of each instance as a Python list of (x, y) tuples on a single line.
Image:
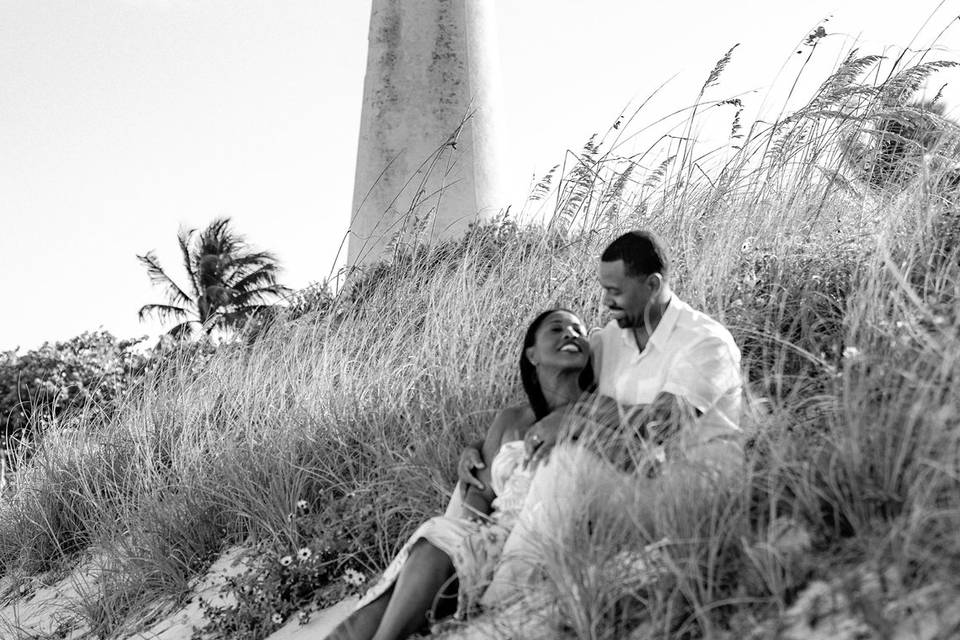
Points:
[(277, 618), (286, 561), (850, 353), (304, 554), (354, 577), (302, 505), (303, 617)]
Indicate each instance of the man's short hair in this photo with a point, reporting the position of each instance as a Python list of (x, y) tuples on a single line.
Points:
[(642, 254)]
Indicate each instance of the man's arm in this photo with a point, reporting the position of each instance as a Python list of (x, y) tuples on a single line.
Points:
[(705, 372), (709, 377), (649, 435), (626, 436)]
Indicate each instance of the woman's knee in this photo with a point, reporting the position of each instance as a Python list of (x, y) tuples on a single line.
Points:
[(429, 562), (344, 631), (362, 623), (423, 548)]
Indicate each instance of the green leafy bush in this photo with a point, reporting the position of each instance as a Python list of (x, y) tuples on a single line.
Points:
[(93, 369)]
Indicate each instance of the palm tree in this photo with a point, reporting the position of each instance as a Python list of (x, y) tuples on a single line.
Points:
[(228, 281)]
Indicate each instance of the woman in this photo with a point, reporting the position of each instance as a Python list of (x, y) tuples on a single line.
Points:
[(554, 370)]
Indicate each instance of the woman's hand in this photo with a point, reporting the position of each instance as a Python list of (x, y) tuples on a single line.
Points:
[(542, 437), (470, 461), (592, 418)]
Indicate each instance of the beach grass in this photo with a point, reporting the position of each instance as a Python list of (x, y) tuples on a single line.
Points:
[(840, 289)]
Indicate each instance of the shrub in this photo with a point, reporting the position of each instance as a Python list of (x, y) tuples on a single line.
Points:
[(93, 369), (291, 581)]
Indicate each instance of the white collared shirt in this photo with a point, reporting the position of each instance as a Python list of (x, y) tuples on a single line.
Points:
[(689, 355)]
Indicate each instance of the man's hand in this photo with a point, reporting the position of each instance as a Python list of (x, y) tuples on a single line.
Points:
[(470, 461), (662, 421)]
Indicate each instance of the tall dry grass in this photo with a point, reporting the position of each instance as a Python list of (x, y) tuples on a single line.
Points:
[(841, 295)]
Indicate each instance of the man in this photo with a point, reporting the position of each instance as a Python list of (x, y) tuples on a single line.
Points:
[(673, 372)]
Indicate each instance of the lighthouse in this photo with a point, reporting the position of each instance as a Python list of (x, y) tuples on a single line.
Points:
[(428, 155)]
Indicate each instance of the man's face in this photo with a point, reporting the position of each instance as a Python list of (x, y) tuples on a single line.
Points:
[(625, 296)]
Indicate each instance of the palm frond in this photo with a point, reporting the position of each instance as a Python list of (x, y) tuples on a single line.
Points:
[(239, 317), (259, 295), (184, 237), (218, 239), (255, 257), (162, 312), (240, 266), (159, 277), (182, 330), (265, 275)]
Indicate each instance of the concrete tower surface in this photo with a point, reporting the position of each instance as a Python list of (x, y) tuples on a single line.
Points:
[(427, 160)]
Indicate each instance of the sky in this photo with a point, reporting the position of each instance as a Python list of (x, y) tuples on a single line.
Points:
[(123, 120)]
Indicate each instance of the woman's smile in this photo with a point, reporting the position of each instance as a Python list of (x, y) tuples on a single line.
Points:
[(571, 347)]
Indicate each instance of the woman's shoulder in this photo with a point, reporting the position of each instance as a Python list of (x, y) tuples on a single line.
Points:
[(512, 422), (517, 412)]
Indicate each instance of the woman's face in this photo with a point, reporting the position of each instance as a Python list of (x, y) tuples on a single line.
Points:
[(560, 342)]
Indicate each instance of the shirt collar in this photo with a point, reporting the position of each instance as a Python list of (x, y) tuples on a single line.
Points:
[(667, 322)]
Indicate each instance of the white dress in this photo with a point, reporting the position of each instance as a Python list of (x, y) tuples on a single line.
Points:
[(473, 547)]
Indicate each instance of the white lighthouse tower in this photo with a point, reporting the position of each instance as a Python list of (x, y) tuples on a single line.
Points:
[(427, 161)]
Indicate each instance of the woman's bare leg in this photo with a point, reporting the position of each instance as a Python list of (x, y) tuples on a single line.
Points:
[(423, 575), (362, 623)]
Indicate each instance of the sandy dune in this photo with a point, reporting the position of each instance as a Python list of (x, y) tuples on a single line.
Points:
[(51, 609)]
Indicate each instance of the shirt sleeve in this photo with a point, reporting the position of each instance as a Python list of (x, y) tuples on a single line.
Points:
[(704, 373)]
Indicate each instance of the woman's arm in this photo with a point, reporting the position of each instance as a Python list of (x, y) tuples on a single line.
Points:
[(477, 502)]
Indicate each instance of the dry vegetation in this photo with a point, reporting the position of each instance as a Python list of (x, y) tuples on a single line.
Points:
[(837, 275)]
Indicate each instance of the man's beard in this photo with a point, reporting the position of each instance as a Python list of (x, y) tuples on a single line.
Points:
[(626, 322)]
